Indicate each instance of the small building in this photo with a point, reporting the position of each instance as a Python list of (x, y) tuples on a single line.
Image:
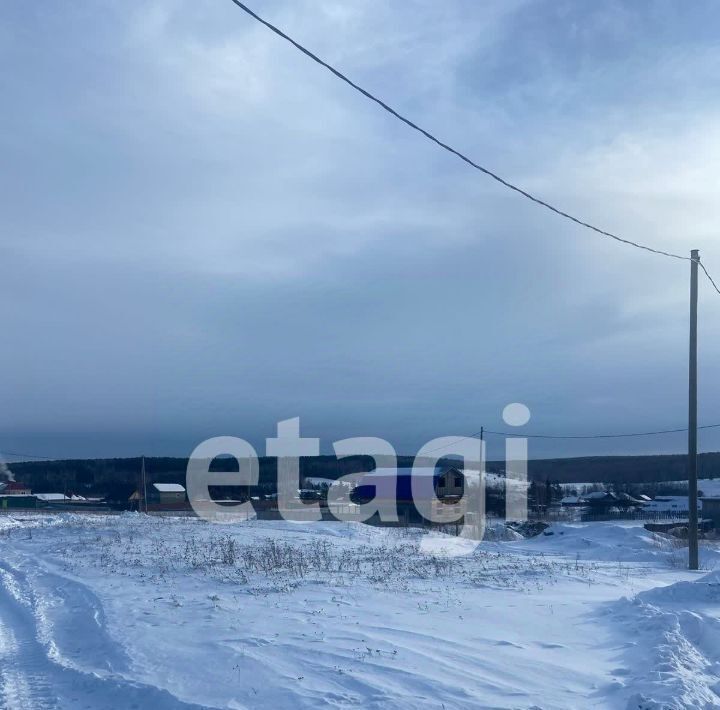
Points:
[(400, 489), (166, 494), (309, 494), (118, 496), (600, 500), (711, 510), (678, 528), (669, 505), (605, 500), (69, 501), (52, 497), (627, 500), (397, 484), (15, 488), (19, 501), (450, 483)]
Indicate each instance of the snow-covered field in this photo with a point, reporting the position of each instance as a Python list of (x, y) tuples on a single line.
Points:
[(133, 611)]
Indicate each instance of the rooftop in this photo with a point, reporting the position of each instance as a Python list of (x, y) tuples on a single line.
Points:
[(168, 487), (15, 486)]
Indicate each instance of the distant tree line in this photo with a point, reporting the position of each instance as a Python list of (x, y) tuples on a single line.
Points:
[(619, 473)]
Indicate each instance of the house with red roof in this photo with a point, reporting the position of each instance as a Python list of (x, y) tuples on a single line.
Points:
[(14, 488)]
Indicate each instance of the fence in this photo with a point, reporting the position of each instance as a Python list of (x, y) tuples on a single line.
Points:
[(583, 514)]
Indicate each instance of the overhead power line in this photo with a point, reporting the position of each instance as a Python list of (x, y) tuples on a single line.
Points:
[(477, 434), (710, 278), (596, 436), (694, 259), (447, 147), (26, 456)]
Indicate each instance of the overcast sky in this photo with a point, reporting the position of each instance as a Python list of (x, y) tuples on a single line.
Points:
[(203, 232)]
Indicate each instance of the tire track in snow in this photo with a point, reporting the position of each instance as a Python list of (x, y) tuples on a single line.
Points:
[(33, 675), (22, 682)]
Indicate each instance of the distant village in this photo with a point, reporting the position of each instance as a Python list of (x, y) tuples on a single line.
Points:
[(160, 496), (548, 502)]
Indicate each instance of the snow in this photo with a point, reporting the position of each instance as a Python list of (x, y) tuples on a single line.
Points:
[(169, 487), (392, 472), (319, 481), (669, 503), (710, 487), (130, 610), (677, 632), (494, 480)]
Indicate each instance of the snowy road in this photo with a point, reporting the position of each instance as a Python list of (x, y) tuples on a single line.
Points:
[(34, 670)]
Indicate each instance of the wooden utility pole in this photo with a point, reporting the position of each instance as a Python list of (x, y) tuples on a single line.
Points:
[(692, 416), (144, 484)]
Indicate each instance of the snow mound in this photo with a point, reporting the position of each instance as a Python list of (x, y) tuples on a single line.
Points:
[(675, 653), (604, 542), (499, 532), (642, 702), (705, 590)]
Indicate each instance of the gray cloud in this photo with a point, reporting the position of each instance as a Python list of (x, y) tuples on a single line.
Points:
[(204, 233)]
